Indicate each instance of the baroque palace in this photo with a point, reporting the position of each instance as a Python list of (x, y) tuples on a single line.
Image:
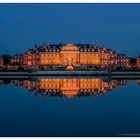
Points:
[(80, 55), (69, 55)]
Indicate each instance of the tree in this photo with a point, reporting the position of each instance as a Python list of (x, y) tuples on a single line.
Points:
[(6, 59), (21, 68), (133, 61)]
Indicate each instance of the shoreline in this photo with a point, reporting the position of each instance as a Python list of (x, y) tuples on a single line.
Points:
[(73, 73)]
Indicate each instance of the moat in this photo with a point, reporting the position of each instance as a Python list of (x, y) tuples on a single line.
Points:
[(69, 106)]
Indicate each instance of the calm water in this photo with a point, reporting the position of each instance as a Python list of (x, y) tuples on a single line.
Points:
[(69, 107)]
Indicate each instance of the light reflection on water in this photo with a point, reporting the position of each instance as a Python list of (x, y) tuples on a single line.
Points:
[(98, 106), (68, 87)]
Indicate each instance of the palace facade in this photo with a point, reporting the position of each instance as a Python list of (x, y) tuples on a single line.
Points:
[(69, 54), (138, 61), (80, 55), (1, 61), (17, 59), (73, 55)]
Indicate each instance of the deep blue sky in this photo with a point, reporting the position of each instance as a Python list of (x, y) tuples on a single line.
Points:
[(115, 25)]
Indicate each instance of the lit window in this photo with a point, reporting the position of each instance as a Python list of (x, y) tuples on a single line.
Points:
[(65, 55), (74, 55)]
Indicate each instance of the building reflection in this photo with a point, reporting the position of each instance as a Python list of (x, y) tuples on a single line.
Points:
[(69, 87), (138, 81)]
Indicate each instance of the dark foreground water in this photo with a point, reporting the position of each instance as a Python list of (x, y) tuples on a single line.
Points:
[(69, 107)]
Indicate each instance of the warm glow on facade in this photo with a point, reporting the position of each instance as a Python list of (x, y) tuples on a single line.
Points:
[(138, 62), (48, 58), (1, 61), (79, 55), (69, 55), (69, 87)]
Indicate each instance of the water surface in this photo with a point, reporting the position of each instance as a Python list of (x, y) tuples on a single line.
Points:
[(69, 106)]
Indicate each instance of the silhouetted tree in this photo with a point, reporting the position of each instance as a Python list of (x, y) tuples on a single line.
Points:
[(20, 68), (6, 59), (133, 61)]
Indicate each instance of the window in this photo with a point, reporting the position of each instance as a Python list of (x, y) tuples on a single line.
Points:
[(74, 61), (85, 55), (65, 55)]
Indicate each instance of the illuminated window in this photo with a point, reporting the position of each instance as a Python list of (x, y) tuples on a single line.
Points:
[(65, 55), (84, 61)]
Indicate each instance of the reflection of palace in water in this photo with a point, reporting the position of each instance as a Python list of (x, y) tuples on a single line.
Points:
[(138, 81), (69, 87)]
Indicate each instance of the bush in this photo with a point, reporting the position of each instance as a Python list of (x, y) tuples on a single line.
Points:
[(120, 68), (21, 68)]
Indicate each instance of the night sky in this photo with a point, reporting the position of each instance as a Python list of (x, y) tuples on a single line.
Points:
[(117, 26)]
